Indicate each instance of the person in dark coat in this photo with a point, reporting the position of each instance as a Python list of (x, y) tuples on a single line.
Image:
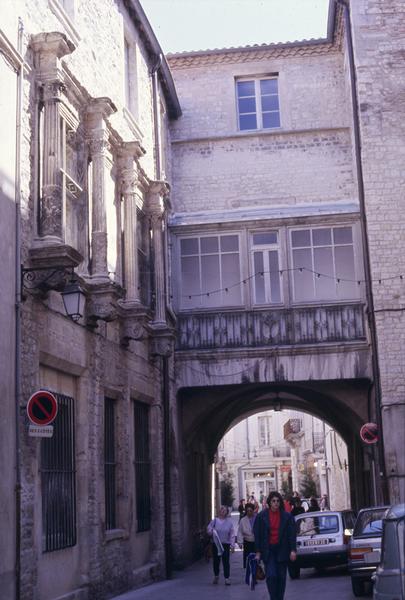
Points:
[(275, 543), (298, 508), (313, 505)]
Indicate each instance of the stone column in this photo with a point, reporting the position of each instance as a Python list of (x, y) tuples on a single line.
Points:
[(128, 175), (97, 134), (49, 49), (156, 208)]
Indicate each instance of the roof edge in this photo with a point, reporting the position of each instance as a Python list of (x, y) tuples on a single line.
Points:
[(136, 12), (329, 39)]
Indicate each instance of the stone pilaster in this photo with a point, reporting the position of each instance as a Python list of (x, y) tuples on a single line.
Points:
[(156, 207), (49, 48), (128, 176), (97, 135)]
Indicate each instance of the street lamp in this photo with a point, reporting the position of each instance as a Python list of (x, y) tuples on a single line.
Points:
[(74, 300), (59, 278)]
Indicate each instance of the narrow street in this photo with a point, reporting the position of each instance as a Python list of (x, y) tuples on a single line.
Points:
[(196, 583)]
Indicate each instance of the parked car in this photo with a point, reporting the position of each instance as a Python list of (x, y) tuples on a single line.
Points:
[(390, 575), (322, 539), (365, 547)]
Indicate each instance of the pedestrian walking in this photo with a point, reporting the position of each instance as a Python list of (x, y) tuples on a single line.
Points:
[(241, 508), (223, 542), (313, 505), (298, 509), (324, 504), (275, 543), (245, 535)]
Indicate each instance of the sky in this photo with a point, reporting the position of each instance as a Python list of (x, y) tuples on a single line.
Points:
[(185, 25)]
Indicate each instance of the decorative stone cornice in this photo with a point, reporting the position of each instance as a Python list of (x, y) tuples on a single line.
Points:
[(101, 107)]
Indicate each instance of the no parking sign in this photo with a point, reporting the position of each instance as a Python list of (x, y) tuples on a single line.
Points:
[(369, 433), (42, 409)]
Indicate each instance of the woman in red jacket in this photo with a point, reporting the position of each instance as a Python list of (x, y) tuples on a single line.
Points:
[(275, 543)]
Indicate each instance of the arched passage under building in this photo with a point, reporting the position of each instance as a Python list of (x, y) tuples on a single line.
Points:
[(207, 413)]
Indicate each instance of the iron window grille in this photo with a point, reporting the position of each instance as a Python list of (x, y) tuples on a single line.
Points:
[(109, 464), (58, 480), (142, 466)]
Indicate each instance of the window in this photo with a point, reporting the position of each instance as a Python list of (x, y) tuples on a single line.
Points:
[(266, 267), (210, 271), (142, 466), (58, 473), (258, 103), (109, 463), (264, 431), (130, 77), (324, 262)]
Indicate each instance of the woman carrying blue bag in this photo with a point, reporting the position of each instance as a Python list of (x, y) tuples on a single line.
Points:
[(275, 544)]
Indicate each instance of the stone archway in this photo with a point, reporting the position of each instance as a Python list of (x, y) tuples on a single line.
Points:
[(207, 413)]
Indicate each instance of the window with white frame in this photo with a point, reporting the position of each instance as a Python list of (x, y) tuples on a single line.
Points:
[(258, 103), (264, 431), (210, 271), (324, 266), (266, 267)]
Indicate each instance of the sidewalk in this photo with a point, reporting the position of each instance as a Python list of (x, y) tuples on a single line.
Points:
[(195, 583)]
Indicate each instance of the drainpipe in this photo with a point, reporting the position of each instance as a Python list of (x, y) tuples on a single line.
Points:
[(166, 466), (156, 119), (367, 266), (17, 368)]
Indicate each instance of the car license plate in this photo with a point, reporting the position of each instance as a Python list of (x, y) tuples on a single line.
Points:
[(315, 542)]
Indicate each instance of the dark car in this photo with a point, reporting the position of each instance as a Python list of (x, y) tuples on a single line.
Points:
[(390, 575), (322, 539), (365, 547)]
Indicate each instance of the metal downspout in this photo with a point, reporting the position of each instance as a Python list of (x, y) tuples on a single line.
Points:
[(164, 361), (17, 367), (366, 253)]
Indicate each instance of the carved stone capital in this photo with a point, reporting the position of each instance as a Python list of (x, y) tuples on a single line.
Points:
[(49, 48), (52, 90), (99, 109), (158, 194)]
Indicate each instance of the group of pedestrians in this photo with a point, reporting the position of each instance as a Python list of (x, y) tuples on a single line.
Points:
[(268, 535)]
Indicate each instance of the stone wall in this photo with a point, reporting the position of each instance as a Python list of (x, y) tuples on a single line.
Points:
[(379, 47)]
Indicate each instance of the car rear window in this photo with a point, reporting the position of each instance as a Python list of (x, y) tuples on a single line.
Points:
[(369, 523), (317, 525)]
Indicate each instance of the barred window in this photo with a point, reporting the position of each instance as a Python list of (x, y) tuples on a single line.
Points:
[(109, 463), (58, 480), (142, 466)]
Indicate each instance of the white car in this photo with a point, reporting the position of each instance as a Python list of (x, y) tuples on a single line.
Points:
[(322, 539)]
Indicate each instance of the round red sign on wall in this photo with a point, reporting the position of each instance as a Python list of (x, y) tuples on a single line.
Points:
[(369, 433), (42, 408)]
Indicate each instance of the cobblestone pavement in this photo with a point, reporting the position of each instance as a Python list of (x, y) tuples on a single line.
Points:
[(195, 583)]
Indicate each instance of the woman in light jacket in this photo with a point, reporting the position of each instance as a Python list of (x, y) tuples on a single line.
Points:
[(223, 541), (245, 532)]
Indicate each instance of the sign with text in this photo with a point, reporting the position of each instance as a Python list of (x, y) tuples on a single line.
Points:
[(40, 431)]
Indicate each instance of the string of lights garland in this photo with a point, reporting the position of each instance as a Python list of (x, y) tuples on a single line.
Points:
[(281, 272)]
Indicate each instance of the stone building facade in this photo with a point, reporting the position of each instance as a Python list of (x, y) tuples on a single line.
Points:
[(260, 225), (91, 192)]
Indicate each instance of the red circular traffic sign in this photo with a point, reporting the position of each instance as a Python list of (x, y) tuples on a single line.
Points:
[(42, 408), (369, 433)]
